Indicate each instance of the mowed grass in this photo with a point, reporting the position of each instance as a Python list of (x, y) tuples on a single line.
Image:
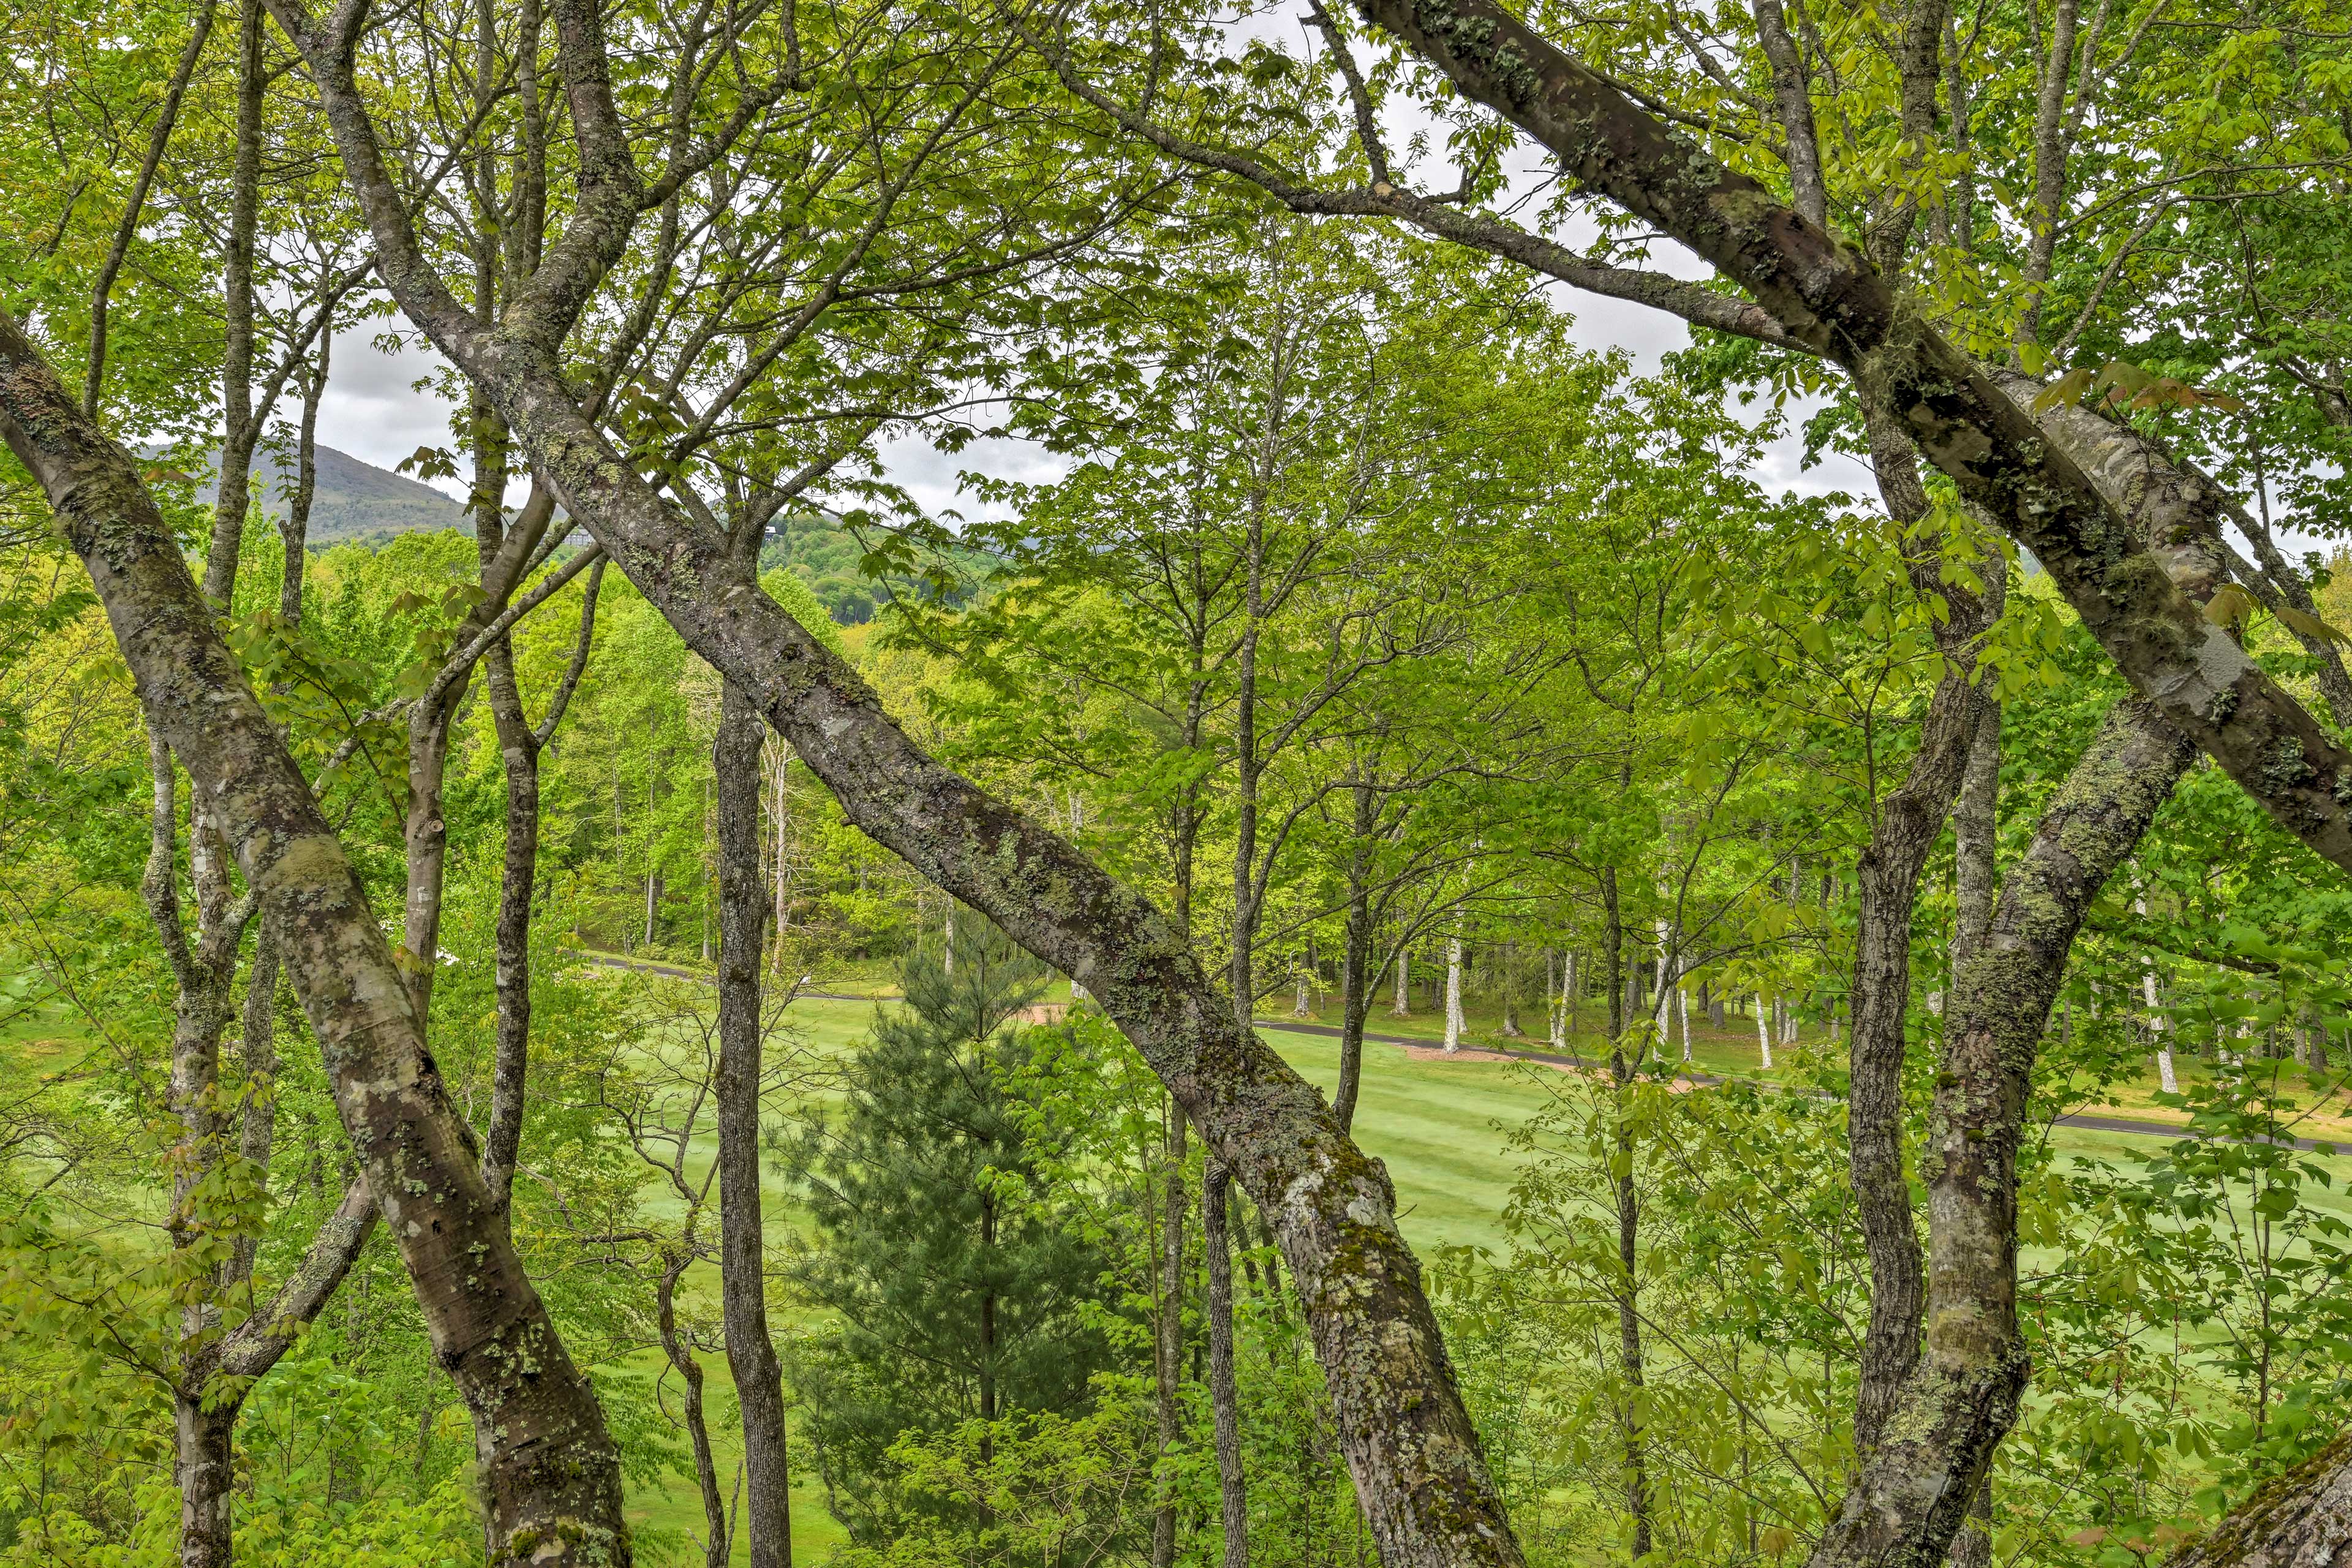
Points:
[(1441, 1128)]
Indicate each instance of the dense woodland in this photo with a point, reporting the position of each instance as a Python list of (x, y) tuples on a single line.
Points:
[(1381, 948)]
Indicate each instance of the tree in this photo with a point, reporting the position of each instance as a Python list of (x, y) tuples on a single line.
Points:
[(961, 1294)]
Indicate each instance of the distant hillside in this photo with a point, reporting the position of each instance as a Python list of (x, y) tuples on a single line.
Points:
[(356, 499)]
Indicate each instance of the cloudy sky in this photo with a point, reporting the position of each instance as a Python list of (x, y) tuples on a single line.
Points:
[(376, 410)]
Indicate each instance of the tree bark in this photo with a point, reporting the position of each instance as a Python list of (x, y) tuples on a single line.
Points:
[(520, 744), (2302, 1520), (1909, 822), (716, 1540), (518, 751), (550, 1472), (204, 1469), (1224, 1398), (1453, 992), (1792, 105), (1629, 1310), (294, 532), (742, 1251)]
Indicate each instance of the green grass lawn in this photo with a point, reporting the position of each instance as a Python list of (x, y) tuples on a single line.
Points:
[(1441, 1128)]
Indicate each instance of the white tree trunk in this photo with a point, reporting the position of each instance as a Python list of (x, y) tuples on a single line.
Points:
[(1560, 1002), (783, 756), (1763, 1032), (1452, 995), (2168, 1079), (1681, 1012), (1305, 1006), (1402, 1006)]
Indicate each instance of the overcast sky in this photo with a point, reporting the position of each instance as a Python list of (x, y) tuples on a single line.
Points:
[(376, 410)]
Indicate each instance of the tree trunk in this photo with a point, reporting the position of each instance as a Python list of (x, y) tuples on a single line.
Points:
[(1571, 993), (551, 1473), (1401, 1006), (2302, 1520), (518, 748), (1168, 1341), (426, 835), (1224, 1400), (742, 1253), (1454, 991), (294, 530), (1355, 964), (1629, 1313), (241, 420), (1910, 820), (259, 1047), (205, 1469), (1922, 1476), (697, 1428)]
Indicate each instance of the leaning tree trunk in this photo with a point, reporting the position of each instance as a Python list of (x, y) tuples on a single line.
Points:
[(551, 1473), (1825, 296), (2302, 1520), (1414, 1454)]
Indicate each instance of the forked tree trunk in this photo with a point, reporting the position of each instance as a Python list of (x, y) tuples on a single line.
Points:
[(1950, 1413)]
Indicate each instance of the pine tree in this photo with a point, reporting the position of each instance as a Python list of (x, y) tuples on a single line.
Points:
[(956, 1296)]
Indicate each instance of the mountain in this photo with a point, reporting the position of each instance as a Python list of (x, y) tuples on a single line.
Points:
[(356, 499)]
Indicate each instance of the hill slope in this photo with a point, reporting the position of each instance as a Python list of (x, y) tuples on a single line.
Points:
[(356, 499)]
